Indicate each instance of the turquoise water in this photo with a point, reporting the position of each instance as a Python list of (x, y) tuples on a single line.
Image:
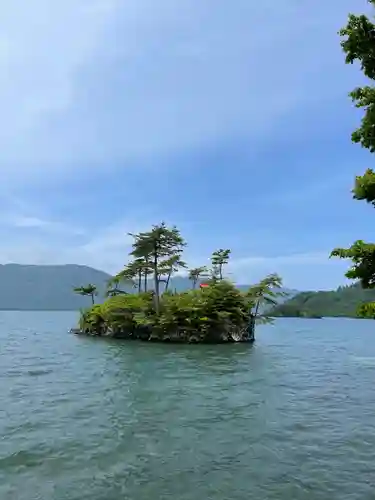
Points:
[(292, 417)]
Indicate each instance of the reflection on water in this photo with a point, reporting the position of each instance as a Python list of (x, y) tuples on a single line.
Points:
[(290, 417)]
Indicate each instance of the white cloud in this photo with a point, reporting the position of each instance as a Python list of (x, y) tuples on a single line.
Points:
[(295, 259), (59, 243), (41, 242), (303, 271), (100, 81), (43, 46), (15, 220), (88, 83), (25, 221)]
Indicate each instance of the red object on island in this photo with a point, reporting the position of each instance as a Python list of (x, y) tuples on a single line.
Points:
[(204, 285)]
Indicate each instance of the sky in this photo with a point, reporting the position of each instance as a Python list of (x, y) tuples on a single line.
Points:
[(230, 120)]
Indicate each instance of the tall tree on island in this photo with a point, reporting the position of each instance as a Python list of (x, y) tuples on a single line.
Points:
[(219, 259), (141, 264), (87, 290), (147, 271), (158, 245), (126, 276), (113, 287), (265, 293), (132, 274), (168, 267), (358, 43), (195, 274), (138, 267)]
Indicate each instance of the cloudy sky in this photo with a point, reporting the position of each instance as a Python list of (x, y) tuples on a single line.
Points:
[(229, 119)]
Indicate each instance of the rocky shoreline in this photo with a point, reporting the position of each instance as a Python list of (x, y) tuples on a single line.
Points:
[(181, 335)]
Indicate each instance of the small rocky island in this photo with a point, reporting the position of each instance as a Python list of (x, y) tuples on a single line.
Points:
[(212, 311)]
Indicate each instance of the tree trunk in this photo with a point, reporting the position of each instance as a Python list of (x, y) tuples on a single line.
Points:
[(156, 279), (257, 309), (167, 282), (92, 299), (251, 328), (146, 274), (140, 281), (145, 280)]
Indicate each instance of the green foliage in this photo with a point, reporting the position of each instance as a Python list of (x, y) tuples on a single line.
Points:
[(293, 311), (168, 267), (346, 301), (209, 314), (91, 319), (113, 286), (266, 291), (159, 243), (125, 313), (215, 314), (196, 273), (367, 310), (87, 290), (358, 44), (122, 315), (220, 312), (364, 188), (131, 275), (363, 257), (219, 259), (265, 294)]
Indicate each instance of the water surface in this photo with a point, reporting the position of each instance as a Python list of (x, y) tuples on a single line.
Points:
[(292, 417)]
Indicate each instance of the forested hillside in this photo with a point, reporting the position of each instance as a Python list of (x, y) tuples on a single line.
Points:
[(341, 302)]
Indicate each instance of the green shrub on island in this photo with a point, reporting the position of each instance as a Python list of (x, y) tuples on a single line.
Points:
[(213, 314), (217, 312), (118, 316)]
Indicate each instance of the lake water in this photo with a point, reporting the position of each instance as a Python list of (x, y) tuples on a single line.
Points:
[(292, 417)]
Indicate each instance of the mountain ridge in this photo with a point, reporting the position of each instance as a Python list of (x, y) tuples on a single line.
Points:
[(34, 287)]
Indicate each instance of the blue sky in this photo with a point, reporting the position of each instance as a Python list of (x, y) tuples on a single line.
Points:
[(231, 120)]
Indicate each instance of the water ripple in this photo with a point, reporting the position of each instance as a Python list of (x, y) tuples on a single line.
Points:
[(290, 417)]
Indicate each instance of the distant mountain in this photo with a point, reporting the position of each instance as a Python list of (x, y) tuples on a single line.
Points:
[(342, 302), (25, 287), (37, 287)]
